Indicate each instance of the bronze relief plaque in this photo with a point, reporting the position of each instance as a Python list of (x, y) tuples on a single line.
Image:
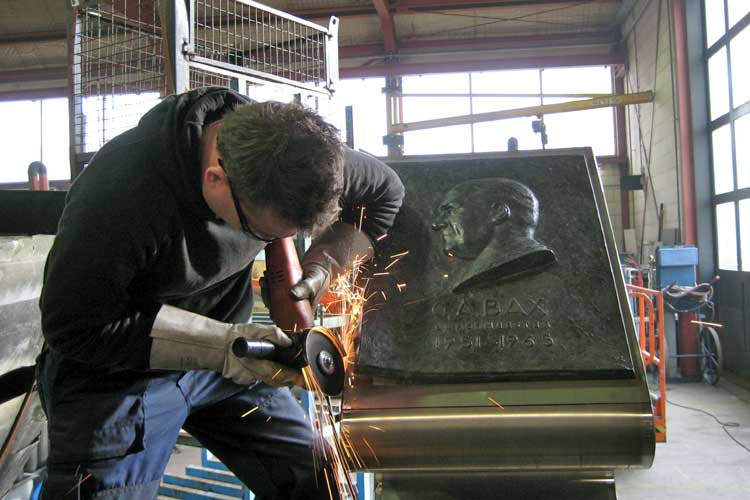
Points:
[(497, 268)]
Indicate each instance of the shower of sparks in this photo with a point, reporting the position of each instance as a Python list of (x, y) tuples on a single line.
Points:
[(276, 374), (371, 450), (248, 412), (717, 325), (445, 276), (391, 264), (382, 237), (495, 403), (337, 451), (361, 217), (268, 419), (334, 447), (71, 490), (376, 428)]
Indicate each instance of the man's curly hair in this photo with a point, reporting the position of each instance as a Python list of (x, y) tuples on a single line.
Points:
[(285, 157)]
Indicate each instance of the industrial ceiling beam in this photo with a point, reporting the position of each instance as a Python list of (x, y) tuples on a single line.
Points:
[(484, 65), (604, 38), (37, 74), (425, 6), (386, 23), (33, 36)]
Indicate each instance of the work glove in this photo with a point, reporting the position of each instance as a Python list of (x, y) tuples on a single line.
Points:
[(183, 340), (332, 254)]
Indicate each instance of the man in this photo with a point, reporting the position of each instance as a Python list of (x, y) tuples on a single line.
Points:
[(491, 224), (148, 283)]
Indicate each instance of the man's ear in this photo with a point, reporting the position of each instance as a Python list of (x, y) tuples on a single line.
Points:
[(214, 176), (500, 213)]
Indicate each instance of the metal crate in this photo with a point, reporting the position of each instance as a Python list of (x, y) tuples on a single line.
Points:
[(251, 39)]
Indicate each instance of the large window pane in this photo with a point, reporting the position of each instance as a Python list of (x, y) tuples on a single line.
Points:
[(745, 234), (368, 109), (444, 83), (494, 135), (740, 52), (714, 20), (737, 10), (20, 139), (726, 236), (588, 80), (55, 152), (742, 150), (721, 144), (718, 83), (524, 81), (593, 127), (443, 140)]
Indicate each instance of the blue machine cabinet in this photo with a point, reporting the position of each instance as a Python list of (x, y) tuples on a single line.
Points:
[(676, 264)]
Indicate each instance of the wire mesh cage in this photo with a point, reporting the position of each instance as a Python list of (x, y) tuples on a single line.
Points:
[(255, 40), (119, 69)]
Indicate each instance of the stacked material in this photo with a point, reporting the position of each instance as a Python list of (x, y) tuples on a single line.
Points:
[(21, 418)]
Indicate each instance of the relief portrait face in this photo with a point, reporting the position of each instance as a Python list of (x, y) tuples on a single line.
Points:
[(462, 221)]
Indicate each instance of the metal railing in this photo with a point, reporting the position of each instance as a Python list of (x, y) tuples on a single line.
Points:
[(648, 315)]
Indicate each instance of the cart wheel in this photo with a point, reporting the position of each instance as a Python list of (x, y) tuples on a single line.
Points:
[(712, 358)]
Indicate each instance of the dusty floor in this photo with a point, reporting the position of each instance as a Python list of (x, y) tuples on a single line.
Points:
[(699, 460)]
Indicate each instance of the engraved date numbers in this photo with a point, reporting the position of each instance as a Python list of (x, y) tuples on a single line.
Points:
[(501, 342)]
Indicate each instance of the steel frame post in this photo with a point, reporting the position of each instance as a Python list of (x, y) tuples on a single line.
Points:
[(178, 44)]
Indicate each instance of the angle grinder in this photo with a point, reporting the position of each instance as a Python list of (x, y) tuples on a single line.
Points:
[(315, 346)]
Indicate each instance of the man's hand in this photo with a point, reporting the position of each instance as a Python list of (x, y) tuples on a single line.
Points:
[(333, 253), (245, 371), (315, 281), (183, 340)]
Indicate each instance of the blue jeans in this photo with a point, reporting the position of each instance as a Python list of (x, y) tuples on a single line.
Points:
[(115, 444)]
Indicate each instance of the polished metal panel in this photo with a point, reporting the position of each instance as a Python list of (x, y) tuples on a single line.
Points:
[(553, 437), (598, 485), (498, 267)]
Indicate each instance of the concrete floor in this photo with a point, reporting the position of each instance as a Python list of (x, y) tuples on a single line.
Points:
[(699, 461)]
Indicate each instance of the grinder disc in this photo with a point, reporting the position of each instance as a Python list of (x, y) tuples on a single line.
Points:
[(325, 356)]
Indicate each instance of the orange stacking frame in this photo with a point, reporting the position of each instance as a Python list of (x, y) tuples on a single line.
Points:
[(649, 315)]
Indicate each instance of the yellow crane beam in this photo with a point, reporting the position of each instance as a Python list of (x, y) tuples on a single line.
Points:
[(602, 101)]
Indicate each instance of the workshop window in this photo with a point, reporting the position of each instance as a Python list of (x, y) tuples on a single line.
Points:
[(436, 96), (727, 45), (34, 131), (366, 97)]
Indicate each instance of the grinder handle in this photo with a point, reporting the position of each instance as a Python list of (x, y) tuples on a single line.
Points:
[(257, 349), (293, 356)]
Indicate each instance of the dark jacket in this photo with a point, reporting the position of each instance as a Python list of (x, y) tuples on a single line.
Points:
[(136, 233)]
